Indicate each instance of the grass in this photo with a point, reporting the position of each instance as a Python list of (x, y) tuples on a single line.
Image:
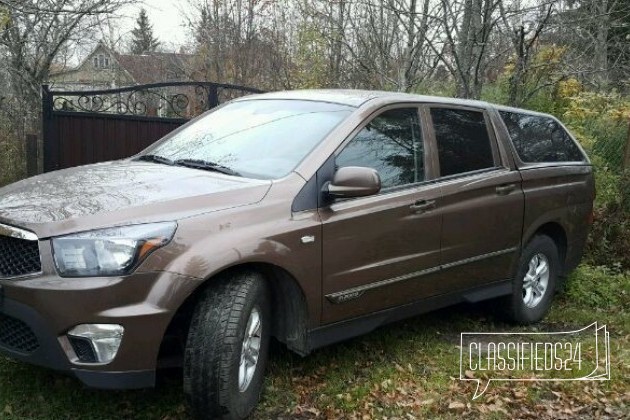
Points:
[(407, 370)]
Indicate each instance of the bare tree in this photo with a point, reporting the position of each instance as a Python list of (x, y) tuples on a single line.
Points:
[(234, 39), (467, 28), (378, 44), (601, 40), (524, 27), (595, 34), (36, 33)]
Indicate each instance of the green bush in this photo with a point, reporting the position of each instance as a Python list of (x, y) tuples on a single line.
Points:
[(610, 141), (599, 287), (12, 154), (609, 239)]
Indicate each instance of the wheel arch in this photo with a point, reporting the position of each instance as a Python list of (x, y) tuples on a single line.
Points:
[(288, 303), (558, 234)]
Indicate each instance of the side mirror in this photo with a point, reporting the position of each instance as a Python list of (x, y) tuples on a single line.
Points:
[(354, 181)]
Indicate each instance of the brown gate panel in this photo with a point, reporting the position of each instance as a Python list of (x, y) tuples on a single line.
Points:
[(81, 139), (83, 127)]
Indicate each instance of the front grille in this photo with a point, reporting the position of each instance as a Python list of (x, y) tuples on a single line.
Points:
[(83, 348), (18, 257), (16, 335)]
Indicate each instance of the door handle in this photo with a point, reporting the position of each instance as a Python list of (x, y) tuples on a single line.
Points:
[(422, 206), (505, 189)]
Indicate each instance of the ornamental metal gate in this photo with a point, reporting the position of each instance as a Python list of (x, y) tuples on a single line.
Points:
[(82, 127)]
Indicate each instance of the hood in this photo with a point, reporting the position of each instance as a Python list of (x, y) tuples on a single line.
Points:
[(120, 192)]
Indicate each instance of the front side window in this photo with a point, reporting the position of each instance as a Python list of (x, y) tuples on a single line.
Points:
[(462, 140), (540, 139), (264, 139), (392, 145)]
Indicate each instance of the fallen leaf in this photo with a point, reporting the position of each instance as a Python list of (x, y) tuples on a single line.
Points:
[(455, 405), (519, 394)]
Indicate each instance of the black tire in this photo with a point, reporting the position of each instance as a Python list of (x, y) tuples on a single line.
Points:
[(215, 341), (514, 306)]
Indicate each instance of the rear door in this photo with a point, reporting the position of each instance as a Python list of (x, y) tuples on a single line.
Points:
[(382, 251), (482, 199)]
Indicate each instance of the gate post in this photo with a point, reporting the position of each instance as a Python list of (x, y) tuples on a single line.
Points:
[(213, 96), (32, 157), (48, 131)]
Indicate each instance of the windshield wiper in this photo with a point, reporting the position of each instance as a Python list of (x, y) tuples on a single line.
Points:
[(156, 159), (205, 165)]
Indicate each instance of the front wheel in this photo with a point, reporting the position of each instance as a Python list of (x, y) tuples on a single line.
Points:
[(535, 282), (227, 347)]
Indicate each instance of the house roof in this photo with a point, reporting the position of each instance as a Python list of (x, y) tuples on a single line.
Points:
[(145, 68), (155, 67)]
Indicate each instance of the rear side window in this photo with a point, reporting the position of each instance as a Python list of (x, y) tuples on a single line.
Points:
[(462, 140), (540, 139)]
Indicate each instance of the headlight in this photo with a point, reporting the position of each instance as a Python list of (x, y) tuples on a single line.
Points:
[(109, 252)]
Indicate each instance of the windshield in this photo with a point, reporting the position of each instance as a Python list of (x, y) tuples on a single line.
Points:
[(263, 139)]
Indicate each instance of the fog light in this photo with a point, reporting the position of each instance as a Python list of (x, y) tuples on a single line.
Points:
[(104, 340)]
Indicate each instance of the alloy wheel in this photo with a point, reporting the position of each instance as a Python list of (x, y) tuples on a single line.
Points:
[(536, 280), (250, 350)]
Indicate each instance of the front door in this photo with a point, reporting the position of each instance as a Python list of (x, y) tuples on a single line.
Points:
[(382, 251)]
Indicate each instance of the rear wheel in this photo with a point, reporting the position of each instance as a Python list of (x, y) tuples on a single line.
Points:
[(227, 347), (535, 282)]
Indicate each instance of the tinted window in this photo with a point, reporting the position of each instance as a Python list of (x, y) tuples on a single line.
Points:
[(391, 143), (462, 140), (257, 138), (540, 139)]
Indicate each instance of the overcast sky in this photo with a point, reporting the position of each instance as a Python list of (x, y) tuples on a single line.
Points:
[(166, 16)]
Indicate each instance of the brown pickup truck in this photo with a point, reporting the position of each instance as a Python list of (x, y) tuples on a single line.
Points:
[(308, 216)]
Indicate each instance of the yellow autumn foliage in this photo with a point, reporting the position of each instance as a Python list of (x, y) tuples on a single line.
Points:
[(584, 105), (569, 88), (4, 18), (543, 65)]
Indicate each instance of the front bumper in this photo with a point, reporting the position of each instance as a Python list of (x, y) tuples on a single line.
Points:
[(36, 314)]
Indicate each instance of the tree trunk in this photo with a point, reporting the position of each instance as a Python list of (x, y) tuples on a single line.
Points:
[(464, 51), (601, 42), (626, 154), (516, 79), (469, 50), (406, 70)]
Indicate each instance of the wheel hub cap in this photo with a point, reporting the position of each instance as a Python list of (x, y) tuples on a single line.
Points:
[(250, 350), (536, 280)]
